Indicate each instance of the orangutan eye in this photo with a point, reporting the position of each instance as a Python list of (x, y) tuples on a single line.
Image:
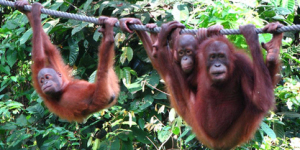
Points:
[(180, 53), (189, 52), (221, 56), (212, 57), (47, 77), (42, 80)]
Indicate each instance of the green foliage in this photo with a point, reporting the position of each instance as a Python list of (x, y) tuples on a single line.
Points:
[(143, 118)]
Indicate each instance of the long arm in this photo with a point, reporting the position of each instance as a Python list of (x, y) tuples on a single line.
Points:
[(262, 95), (44, 53), (107, 87), (38, 54), (158, 51), (273, 48), (181, 96)]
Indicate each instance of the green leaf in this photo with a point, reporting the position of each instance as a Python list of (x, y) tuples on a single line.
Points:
[(146, 102), (163, 135), (8, 126), (133, 72), (160, 95), (176, 130), (278, 17), (290, 114), (100, 145), (172, 115), (11, 24), (119, 72), (5, 69), (18, 136), (153, 79), (122, 98), (130, 123), (11, 56), (74, 50), (278, 129), (96, 35), (115, 144), (37, 110), (116, 122), (123, 58), (189, 138), (140, 105), (291, 5), (134, 87), (141, 135), (56, 5), (141, 123), (127, 77), (282, 11), (79, 27), (103, 5), (25, 36), (288, 4), (21, 120), (127, 145), (13, 78), (129, 53), (14, 105), (186, 131), (180, 11), (87, 5), (264, 37), (5, 82), (268, 130), (259, 136), (92, 77), (50, 25)]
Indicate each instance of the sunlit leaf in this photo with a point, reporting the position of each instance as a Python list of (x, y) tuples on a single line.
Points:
[(268, 130), (50, 25), (87, 4), (164, 135), (176, 130), (25, 36), (93, 77), (172, 115), (180, 11), (189, 138), (79, 27)]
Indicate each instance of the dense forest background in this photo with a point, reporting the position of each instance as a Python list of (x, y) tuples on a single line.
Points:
[(142, 119)]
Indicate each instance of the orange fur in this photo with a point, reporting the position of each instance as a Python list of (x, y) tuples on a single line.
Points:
[(225, 116), (79, 98)]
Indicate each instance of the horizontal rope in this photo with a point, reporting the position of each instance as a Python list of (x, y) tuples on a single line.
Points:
[(135, 26)]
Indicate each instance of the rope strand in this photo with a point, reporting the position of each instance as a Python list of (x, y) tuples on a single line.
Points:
[(135, 26)]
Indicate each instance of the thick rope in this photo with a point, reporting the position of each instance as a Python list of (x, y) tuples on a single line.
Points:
[(137, 27)]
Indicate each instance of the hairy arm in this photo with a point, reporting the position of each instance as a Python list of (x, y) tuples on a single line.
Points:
[(106, 85), (262, 91), (273, 49), (180, 95)]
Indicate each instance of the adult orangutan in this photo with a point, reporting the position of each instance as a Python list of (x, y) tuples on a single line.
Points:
[(184, 51), (69, 98), (233, 92)]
